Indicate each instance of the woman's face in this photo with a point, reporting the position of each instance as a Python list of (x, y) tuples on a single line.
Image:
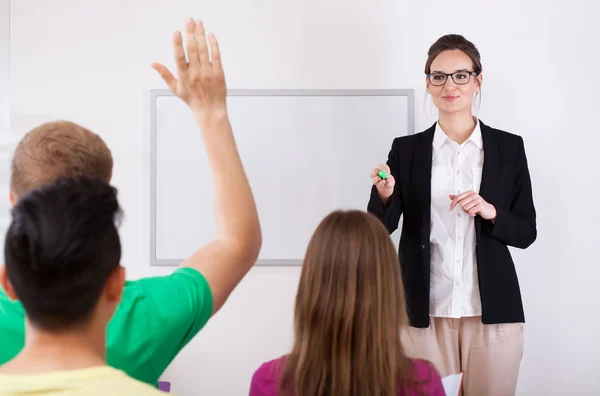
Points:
[(452, 94)]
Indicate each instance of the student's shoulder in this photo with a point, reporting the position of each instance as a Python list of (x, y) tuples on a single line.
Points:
[(181, 276), (126, 385), (183, 295), (426, 373), (267, 375), (173, 300), (269, 369), (138, 388), (10, 308), (156, 318), (423, 369)]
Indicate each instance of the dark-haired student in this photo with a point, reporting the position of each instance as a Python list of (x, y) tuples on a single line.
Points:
[(62, 253)]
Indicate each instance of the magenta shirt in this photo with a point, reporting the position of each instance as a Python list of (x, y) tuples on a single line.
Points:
[(265, 380)]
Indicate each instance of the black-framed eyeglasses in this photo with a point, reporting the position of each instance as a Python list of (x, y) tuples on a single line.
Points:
[(459, 78)]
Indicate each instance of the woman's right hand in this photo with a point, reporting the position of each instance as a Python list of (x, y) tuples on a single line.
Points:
[(385, 187)]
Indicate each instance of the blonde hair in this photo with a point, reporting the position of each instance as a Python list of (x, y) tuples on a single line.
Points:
[(56, 150)]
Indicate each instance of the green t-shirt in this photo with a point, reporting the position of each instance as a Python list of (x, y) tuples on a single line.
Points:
[(156, 318)]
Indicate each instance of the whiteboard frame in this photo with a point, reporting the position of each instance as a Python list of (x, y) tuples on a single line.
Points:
[(156, 93)]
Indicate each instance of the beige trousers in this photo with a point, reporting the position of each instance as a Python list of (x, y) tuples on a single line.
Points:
[(488, 355)]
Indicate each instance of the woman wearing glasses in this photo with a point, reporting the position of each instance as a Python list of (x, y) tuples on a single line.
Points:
[(465, 192)]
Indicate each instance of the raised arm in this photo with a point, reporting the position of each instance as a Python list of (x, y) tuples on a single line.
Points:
[(200, 83)]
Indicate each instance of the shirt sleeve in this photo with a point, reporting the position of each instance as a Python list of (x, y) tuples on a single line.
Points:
[(517, 226), (178, 307)]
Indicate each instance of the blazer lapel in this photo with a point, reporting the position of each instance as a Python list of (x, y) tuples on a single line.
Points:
[(489, 176), (421, 180)]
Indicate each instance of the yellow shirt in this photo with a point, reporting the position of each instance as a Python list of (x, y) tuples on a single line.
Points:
[(93, 381)]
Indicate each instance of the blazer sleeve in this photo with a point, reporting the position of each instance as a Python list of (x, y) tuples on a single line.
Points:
[(389, 213), (517, 226)]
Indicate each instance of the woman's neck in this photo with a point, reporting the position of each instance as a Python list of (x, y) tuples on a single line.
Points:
[(457, 126), (46, 352)]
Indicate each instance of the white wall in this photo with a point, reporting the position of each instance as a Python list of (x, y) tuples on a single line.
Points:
[(4, 65), (4, 115), (89, 61)]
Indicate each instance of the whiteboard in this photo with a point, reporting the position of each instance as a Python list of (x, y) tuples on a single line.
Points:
[(305, 152)]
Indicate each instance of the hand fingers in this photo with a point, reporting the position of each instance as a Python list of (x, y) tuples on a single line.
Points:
[(381, 183), (179, 54), (191, 44), (375, 172), (202, 49), (384, 167), (166, 75), (473, 212), (460, 201), (459, 198), (473, 204), (469, 201), (216, 56)]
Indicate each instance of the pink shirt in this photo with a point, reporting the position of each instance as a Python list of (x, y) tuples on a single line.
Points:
[(265, 381)]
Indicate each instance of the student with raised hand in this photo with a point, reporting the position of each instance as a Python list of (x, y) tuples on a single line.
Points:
[(350, 310), (157, 316), (62, 253)]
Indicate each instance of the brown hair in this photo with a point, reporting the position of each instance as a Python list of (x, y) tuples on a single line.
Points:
[(350, 310), (454, 42), (56, 150)]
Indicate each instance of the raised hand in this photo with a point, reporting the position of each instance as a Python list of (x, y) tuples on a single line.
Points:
[(200, 82), (385, 187)]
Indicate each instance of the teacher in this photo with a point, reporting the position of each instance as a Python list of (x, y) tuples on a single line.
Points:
[(465, 192)]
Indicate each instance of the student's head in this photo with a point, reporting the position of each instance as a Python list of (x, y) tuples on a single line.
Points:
[(62, 255), (350, 309), (453, 54), (56, 150)]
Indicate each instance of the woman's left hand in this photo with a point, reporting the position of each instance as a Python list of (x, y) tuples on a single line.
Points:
[(473, 204)]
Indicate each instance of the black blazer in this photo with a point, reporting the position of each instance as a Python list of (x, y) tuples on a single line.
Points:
[(505, 183)]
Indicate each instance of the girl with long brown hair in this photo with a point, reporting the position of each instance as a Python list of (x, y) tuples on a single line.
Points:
[(349, 314)]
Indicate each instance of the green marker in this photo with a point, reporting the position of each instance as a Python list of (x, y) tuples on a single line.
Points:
[(382, 174)]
